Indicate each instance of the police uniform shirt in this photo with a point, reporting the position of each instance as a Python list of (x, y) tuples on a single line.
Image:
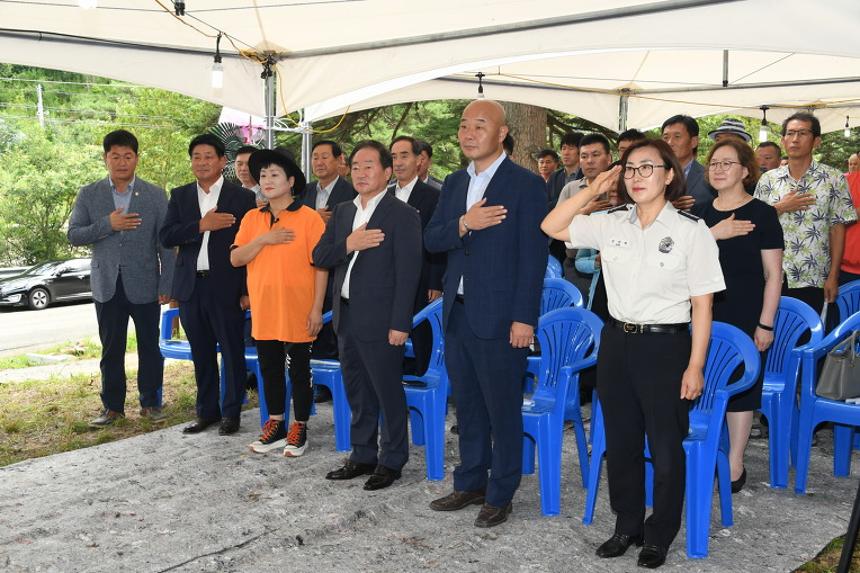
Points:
[(651, 273)]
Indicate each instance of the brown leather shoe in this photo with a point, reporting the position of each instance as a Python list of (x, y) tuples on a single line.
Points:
[(457, 500), (154, 413), (491, 516)]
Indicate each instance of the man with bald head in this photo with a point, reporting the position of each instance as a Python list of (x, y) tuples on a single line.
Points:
[(488, 223)]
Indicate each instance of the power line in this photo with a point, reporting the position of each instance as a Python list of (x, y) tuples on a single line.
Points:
[(90, 121)]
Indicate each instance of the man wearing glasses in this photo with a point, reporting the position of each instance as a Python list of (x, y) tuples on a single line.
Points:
[(814, 205)]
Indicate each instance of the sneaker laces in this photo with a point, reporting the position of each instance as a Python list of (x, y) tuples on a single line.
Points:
[(297, 430), (270, 428)]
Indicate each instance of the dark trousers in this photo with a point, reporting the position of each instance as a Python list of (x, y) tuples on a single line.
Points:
[(639, 384), (486, 377), (113, 318), (210, 320), (273, 357), (325, 345), (373, 383)]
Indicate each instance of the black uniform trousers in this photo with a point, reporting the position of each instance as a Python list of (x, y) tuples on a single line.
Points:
[(374, 385), (639, 385), (113, 318), (273, 359), (487, 378), (209, 320)]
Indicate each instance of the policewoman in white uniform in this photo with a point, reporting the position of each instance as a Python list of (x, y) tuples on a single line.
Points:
[(661, 268)]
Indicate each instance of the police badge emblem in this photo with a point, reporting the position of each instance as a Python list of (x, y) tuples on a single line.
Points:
[(666, 244)]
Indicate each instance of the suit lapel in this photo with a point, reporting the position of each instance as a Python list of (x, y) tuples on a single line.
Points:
[(381, 210), (105, 197), (495, 188)]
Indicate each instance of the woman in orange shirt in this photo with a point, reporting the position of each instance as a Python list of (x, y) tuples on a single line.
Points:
[(276, 243)]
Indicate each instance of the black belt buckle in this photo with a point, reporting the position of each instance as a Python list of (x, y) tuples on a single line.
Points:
[(630, 328), (203, 274)]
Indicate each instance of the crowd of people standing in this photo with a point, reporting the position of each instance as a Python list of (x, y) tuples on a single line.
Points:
[(656, 242)]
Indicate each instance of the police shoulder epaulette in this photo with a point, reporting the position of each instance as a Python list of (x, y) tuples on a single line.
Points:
[(688, 215), (619, 208)]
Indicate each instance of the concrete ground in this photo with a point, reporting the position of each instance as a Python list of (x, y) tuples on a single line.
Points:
[(169, 502)]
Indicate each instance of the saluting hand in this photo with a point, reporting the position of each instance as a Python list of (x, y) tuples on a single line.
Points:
[(729, 228), (479, 217), (363, 238), (120, 221), (521, 334), (215, 221), (692, 383), (605, 182)]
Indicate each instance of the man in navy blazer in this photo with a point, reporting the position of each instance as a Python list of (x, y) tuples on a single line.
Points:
[(202, 220), (488, 222), (373, 248), (409, 188)]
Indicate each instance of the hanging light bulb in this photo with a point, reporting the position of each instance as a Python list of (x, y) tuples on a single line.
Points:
[(179, 7), (847, 131), (217, 66), (88, 4), (763, 130), (480, 76)]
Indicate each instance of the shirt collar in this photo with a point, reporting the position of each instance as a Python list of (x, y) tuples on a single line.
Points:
[(330, 186), (216, 187), (371, 205), (489, 171), (130, 186), (663, 217), (408, 187)]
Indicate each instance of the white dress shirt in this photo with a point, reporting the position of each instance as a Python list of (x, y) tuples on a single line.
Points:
[(362, 216), (478, 183), (207, 202), (323, 193), (403, 193)]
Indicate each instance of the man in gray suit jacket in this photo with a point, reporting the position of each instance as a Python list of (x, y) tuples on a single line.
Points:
[(681, 132), (120, 216)]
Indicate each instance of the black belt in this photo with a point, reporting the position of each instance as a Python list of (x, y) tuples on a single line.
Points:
[(632, 328), (203, 274), (344, 301), (459, 298)]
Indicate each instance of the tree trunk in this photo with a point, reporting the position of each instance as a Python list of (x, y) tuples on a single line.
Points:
[(527, 124)]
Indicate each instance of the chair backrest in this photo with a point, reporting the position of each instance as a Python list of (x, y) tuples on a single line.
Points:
[(848, 299), (559, 293), (433, 314), (566, 336), (729, 348), (794, 318), (553, 268)]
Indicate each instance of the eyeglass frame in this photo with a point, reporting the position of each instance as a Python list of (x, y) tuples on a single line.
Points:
[(633, 170), (713, 165)]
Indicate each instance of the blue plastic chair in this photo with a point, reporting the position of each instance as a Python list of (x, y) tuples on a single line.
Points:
[(570, 340), (557, 293), (782, 367), (814, 409), (553, 268), (848, 300), (326, 372), (427, 396), (707, 444)]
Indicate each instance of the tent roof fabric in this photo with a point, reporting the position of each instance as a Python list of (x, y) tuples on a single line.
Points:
[(334, 55)]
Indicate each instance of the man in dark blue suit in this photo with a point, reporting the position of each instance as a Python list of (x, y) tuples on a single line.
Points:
[(202, 220), (373, 248), (488, 222)]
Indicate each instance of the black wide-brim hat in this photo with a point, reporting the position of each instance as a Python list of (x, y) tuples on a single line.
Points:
[(266, 157)]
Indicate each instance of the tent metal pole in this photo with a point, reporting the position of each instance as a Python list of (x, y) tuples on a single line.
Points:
[(307, 141), (269, 94), (623, 103), (725, 68)]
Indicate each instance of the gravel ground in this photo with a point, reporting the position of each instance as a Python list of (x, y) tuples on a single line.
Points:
[(169, 502)]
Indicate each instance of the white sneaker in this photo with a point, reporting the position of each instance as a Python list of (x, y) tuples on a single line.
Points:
[(271, 438)]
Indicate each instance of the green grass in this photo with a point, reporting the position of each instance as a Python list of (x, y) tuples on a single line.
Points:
[(80, 350), (828, 559)]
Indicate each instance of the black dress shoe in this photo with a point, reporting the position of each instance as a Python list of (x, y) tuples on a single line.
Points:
[(652, 556), (198, 426), (350, 470), (457, 500), (228, 426), (381, 478), (617, 545), (738, 484), (491, 516)]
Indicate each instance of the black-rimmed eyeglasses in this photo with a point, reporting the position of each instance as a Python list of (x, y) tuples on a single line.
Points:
[(644, 171)]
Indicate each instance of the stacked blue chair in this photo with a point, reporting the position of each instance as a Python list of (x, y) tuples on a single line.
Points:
[(707, 444), (557, 293), (170, 347), (848, 299), (782, 367), (814, 409), (570, 340), (326, 372), (553, 268), (427, 396)]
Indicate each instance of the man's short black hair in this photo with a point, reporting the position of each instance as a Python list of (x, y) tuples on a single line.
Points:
[(336, 151), (508, 144), (571, 138), (207, 139), (425, 147), (120, 138), (808, 118), (384, 155), (247, 149), (548, 153), (413, 143), (770, 144), (689, 123), (592, 138), (630, 135)]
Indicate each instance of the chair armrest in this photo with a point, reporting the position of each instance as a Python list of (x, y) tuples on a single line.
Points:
[(581, 365), (326, 318), (167, 323)]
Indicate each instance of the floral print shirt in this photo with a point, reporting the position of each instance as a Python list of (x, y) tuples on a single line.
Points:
[(806, 260)]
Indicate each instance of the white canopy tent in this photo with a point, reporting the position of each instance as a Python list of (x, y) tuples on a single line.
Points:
[(604, 60)]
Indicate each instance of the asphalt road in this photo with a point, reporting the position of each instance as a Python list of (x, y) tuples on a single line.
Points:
[(23, 330)]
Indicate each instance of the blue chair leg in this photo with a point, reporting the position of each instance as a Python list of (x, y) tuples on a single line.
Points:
[(581, 444), (700, 489), (724, 479), (843, 440), (434, 434), (598, 448), (261, 394), (416, 421), (779, 437), (549, 464), (649, 483), (528, 454), (804, 445), (342, 415)]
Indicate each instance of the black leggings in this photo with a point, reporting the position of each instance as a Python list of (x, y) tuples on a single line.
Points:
[(273, 356)]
